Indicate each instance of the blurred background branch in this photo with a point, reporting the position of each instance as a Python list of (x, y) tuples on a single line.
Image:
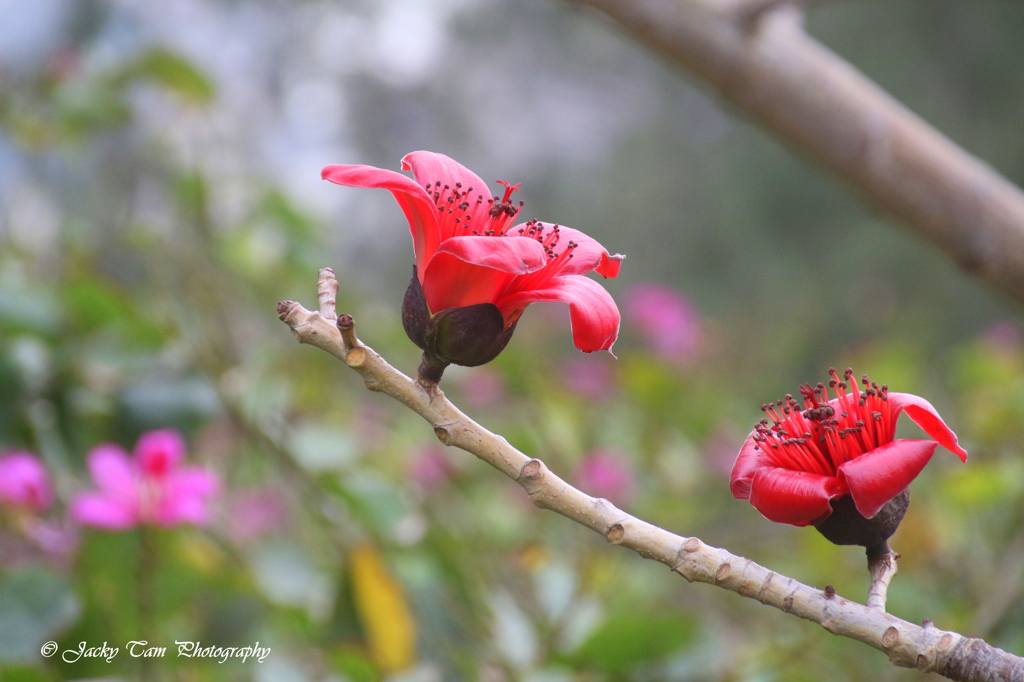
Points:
[(815, 102)]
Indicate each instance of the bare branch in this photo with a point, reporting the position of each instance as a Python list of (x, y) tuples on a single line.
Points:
[(327, 294), (814, 101), (906, 644)]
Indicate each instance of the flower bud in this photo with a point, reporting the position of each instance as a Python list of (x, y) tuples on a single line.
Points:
[(847, 526), (468, 336)]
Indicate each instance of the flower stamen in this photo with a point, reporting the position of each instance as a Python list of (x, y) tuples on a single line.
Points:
[(831, 430)]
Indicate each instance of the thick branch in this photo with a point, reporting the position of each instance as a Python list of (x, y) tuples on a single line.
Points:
[(811, 99), (908, 645)]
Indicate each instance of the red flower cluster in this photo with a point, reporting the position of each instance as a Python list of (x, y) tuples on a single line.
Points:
[(801, 460), (469, 253)]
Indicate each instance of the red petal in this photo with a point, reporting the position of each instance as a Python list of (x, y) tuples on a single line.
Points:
[(926, 416), (588, 255), (609, 266), (450, 282), (878, 476), (429, 167), (592, 311), (514, 255), (798, 498), (748, 461), (469, 270), (418, 208)]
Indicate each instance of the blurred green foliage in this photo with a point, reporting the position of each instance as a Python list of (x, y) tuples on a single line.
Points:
[(143, 249)]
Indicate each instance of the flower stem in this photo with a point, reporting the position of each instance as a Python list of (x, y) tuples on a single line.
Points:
[(882, 567), (146, 595), (431, 369)]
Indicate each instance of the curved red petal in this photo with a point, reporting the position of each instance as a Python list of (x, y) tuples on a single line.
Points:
[(431, 167), (592, 311), (927, 417), (880, 475), (798, 498), (609, 265), (588, 255), (451, 282), (419, 210), (750, 459), (514, 255)]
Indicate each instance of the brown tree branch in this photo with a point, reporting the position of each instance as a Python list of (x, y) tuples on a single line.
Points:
[(908, 645), (778, 76)]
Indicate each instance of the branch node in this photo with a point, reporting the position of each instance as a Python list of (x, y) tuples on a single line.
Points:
[(356, 357), (692, 545), (922, 662), (750, 13), (890, 637), (375, 385), (723, 572), (762, 592), (830, 592), (532, 470), (616, 534), (443, 434)]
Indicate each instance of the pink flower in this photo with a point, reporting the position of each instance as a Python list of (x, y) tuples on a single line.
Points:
[(589, 377), (152, 489), (668, 322), (483, 388), (430, 466), (255, 513), (606, 473), (24, 482)]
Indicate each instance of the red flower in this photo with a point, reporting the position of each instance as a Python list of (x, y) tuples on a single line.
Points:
[(468, 251), (795, 469)]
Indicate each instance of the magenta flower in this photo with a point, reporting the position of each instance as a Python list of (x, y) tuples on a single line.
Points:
[(429, 466), (483, 388), (666, 320), (153, 488), (589, 377), (24, 482), (255, 513)]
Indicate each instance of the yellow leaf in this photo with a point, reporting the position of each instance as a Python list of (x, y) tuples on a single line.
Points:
[(383, 610)]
